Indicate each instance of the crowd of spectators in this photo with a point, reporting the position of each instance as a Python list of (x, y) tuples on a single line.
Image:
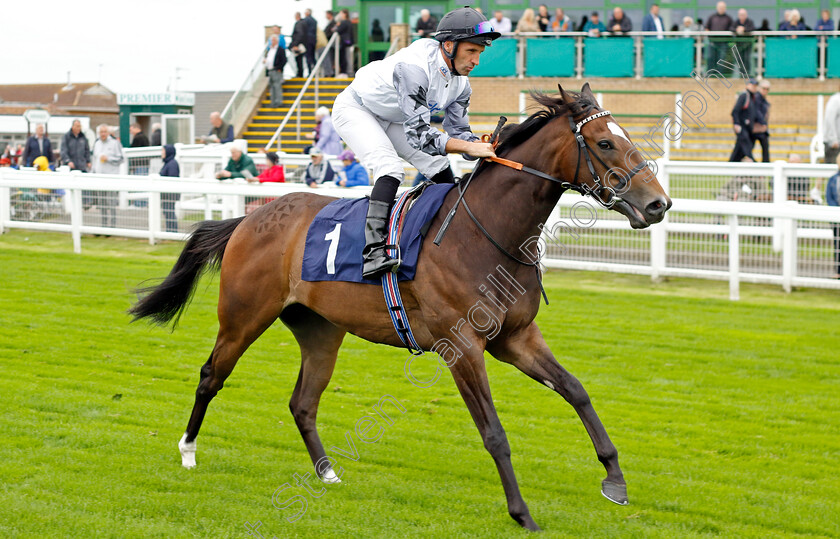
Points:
[(306, 43)]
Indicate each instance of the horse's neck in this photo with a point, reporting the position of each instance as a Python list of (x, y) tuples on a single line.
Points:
[(511, 204)]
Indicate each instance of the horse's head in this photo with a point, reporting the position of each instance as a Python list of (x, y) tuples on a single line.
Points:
[(602, 161)]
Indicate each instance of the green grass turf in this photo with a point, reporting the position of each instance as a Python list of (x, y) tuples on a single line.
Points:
[(725, 415)]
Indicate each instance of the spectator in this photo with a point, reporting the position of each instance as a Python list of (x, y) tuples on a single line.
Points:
[(582, 24), (138, 138), (426, 24), (501, 23), (765, 26), (327, 65), (36, 146), (832, 198), (221, 131), (298, 44), (688, 25), (528, 22), (795, 24), (75, 149), (239, 165), (107, 157), (762, 120), (786, 19), (825, 24), (345, 42), (743, 26), (167, 200), (543, 18), (653, 22), (273, 174), (831, 128), (620, 23), (328, 140), (354, 173), (561, 22), (311, 39), (155, 134), (319, 170), (41, 164), (718, 22), (275, 61), (743, 118), (377, 35), (594, 26)]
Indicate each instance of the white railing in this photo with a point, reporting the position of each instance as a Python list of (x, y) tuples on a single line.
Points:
[(333, 42), (777, 242)]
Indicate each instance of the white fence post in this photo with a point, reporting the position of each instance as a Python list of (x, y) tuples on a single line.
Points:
[(659, 233), (5, 206), (734, 259), (76, 218), (523, 113), (789, 253), (154, 216), (779, 197)]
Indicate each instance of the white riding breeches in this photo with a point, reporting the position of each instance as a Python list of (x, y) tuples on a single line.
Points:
[(380, 144)]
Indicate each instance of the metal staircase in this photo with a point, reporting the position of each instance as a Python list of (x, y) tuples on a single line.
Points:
[(265, 122)]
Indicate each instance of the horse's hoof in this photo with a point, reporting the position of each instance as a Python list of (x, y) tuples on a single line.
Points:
[(528, 523), (329, 477), (187, 452), (614, 492)]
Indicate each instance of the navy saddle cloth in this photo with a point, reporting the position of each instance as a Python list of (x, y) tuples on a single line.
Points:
[(336, 237)]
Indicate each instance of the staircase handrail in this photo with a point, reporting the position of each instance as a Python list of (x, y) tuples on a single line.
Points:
[(253, 75), (393, 48), (296, 104)]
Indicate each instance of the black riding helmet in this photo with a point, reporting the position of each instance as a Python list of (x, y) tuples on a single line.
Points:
[(464, 24)]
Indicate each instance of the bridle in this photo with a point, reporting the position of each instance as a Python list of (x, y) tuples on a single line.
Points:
[(583, 189)]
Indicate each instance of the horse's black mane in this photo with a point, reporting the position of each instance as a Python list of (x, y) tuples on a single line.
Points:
[(515, 134)]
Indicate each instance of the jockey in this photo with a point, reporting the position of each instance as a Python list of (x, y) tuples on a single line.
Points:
[(384, 115)]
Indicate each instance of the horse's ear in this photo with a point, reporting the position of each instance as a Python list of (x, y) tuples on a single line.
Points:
[(564, 97), (587, 91)]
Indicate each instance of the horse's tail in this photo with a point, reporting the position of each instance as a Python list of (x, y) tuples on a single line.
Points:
[(205, 247)]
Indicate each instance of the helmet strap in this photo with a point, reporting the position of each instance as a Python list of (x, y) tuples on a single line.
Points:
[(451, 57)]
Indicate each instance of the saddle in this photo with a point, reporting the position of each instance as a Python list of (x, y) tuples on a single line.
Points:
[(335, 239)]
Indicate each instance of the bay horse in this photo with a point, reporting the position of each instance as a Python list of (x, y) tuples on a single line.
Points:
[(260, 258)]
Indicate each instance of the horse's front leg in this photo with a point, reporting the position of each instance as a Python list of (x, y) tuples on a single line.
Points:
[(528, 352), (471, 378)]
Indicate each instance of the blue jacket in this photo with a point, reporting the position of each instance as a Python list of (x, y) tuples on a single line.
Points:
[(648, 24), (832, 197), (356, 175), (824, 26), (170, 165), (32, 151)]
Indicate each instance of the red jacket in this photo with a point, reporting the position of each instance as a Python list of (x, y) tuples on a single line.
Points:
[(273, 174)]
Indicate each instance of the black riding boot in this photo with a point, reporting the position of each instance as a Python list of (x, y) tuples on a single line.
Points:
[(376, 262)]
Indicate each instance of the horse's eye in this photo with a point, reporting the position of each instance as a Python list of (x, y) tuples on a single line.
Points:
[(605, 145)]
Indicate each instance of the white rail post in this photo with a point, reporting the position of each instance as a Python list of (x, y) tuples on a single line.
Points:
[(5, 206), (76, 218), (599, 97), (789, 253), (779, 197), (523, 113), (821, 116), (734, 259), (659, 232), (579, 57), (154, 216)]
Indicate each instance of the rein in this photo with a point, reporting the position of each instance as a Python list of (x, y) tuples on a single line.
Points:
[(583, 148)]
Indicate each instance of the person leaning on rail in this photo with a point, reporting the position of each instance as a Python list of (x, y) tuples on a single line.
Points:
[(385, 114)]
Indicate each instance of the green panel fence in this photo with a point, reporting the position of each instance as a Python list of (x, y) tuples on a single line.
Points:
[(669, 57), (832, 63), (498, 60), (608, 57), (550, 57), (788, 58)]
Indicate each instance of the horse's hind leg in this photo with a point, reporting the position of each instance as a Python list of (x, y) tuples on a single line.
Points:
[(240, 324), (529, 353), (319, 342)]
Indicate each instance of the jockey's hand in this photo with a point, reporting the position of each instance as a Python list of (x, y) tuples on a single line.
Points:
[(481, 149)]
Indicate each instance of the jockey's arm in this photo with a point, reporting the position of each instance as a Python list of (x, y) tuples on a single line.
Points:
[(456, 123)]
